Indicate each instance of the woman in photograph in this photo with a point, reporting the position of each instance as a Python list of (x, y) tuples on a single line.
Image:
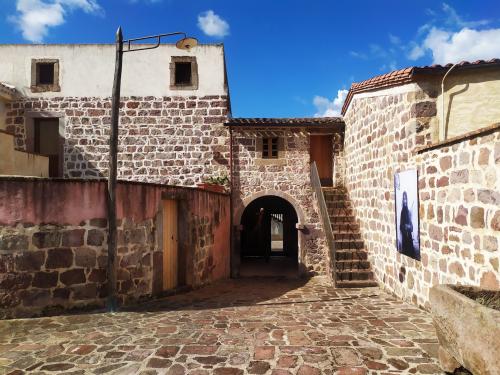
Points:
[(406, 228)]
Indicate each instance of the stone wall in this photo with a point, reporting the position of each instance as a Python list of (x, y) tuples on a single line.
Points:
[(53, 250), (170, 140), (383, 130), (287, 177)]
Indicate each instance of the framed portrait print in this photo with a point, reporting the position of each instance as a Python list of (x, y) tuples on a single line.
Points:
[(407, 211)]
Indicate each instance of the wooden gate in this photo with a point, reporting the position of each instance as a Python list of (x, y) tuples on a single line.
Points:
[(170, 245)]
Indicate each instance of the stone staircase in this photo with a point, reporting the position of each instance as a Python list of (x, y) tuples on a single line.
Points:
[(352, 266)]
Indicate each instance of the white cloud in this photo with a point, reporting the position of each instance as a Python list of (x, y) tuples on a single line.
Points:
[(394, 39), (466, 44), (212, 25), (454, 19), (35, 17), (327, 108)]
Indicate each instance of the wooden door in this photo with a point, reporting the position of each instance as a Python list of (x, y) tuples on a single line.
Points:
[(170, 244), (321, 151)]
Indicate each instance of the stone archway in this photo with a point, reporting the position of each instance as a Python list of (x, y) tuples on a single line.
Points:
[(279, 204)]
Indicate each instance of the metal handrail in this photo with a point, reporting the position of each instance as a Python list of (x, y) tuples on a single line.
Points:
[(325, 218)]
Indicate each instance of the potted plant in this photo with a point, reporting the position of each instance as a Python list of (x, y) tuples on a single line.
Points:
[(217, 184)]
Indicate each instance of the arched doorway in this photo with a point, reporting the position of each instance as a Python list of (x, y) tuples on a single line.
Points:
[(269, 238)]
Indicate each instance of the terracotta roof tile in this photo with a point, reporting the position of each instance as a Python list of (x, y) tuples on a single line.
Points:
[(407, 75), (295, 121)]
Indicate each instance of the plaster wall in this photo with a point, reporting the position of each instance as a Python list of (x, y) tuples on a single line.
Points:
[(471, 100), (86, 70), (13, 162), (53, 250)]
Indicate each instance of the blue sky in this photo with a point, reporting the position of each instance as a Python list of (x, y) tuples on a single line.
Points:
[(284, 58)]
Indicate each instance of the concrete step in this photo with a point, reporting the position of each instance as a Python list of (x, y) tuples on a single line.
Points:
[(347, 235), (345, 227), (342, 265), (356, 283), (349, 244), (342, 219), (337, 203), (354, 274), (340, 211), (351, 255)]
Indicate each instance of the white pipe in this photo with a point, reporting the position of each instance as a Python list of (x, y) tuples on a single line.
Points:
[(442, 125)]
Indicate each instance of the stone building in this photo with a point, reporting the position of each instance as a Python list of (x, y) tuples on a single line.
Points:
[(174, 104), (395, 122), (317, 194)]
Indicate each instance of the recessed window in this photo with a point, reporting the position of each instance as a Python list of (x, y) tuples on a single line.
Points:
[(45, 75), (269, 148), (183, 73)]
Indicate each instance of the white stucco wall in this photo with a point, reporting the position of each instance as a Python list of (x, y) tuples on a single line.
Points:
[(87, 69), (471, 100)]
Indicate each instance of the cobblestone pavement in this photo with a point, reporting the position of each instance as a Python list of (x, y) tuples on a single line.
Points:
[(245, 326)]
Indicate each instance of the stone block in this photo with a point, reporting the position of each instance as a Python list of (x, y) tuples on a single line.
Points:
[(95, 237), (30, 261), (73, 237), (75, 276), (97, 275), (14, 281), (85, 257), (14, 242), (477, 217), (59, 258), (45, 279), (46, 239), (86, 291), (35, 297), (423, 109)]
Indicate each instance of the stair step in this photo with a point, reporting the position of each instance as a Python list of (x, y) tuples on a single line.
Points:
[(345, 227), (349, 244), (354, 274), (340, 211), (331, 203), (351, 255), (355, 283), (343, 265), (347, 235), (342, 219)]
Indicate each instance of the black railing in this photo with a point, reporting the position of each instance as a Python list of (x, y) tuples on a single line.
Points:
[(325, 219)]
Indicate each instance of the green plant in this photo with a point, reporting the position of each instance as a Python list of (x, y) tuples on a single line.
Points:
[(217, 180)]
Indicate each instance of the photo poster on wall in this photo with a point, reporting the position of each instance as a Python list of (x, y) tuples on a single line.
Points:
[(407, 211)]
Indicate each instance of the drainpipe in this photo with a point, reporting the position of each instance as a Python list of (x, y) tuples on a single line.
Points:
[(231, 241), (442, 127)]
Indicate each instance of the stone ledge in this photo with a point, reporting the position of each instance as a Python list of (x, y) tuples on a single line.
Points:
[(464, 137)]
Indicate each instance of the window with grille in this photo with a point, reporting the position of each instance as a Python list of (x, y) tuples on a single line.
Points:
[(269, 148)]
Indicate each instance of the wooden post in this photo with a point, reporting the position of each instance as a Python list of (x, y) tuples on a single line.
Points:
[(112, 171)]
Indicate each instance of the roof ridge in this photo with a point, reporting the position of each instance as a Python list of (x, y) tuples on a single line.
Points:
[(407, 75)]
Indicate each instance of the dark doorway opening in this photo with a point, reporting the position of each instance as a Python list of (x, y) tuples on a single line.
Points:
[(269, 238), (48, 142)]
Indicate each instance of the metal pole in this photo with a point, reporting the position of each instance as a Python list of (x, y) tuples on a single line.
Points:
[(112, 171)]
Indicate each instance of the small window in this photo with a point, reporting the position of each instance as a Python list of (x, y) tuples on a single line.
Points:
[(269, 148), (45, 73), (183, 73)]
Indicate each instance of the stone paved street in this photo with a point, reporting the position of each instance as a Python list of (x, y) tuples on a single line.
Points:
[(245, 326)]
